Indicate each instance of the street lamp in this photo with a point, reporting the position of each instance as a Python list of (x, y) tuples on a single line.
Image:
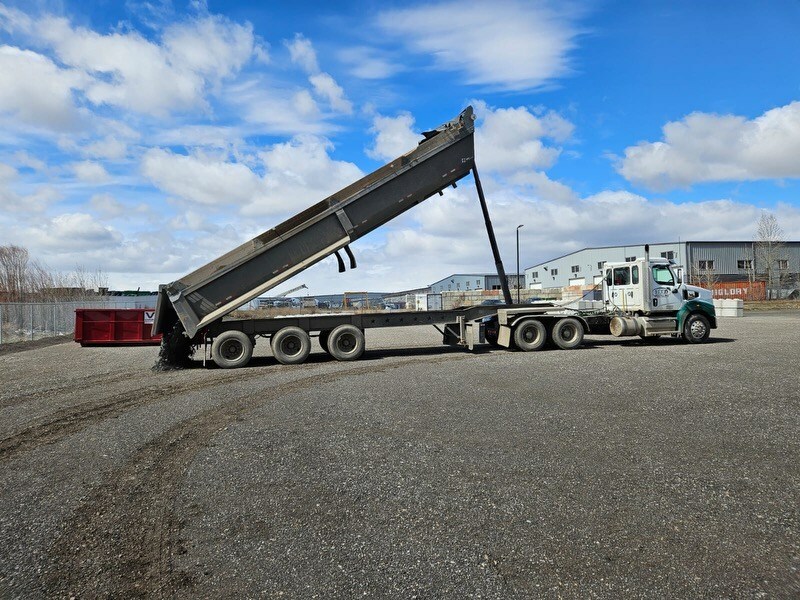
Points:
[(518, 228)]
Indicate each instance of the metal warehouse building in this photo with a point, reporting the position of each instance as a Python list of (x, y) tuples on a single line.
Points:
[(474, 282), (722, 261)]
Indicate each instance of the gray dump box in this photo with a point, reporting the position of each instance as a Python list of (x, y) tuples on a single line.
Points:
[(214, 290)]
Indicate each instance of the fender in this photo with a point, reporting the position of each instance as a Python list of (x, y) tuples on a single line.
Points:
[(697, 306)]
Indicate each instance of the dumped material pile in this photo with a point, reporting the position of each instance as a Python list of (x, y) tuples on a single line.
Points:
[(176, 350)]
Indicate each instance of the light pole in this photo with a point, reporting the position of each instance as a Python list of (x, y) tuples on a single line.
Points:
[(518, 228)]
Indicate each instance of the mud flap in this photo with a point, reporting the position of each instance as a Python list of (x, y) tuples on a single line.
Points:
[(504, 336)]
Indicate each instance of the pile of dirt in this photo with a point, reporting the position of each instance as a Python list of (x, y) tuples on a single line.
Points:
[(176, 350)]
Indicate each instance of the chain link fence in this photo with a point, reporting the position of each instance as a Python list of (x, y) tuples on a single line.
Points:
[(30, 321)]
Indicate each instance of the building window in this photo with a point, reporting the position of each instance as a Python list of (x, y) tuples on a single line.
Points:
[(576, 268), (706, 265), (600, 265), (630, 258), (668, 255), (553, 272), (458, 286), (747, 263), (783, 265), (535, 275)]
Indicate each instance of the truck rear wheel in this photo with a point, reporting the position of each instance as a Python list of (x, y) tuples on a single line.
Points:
[(232, 349), (291, 346), (346, 342), (568, 333), (530, 335), (696, 329)]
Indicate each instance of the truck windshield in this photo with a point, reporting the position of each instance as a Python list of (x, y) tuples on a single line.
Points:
[(662, 275)]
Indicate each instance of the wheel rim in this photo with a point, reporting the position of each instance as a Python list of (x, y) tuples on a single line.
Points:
[(568, 333), (698, 329), (346, 343), (291, 346), (530, 334), (232, 349)]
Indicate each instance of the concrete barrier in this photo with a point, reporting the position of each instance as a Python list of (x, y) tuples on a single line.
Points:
[(729, 307)]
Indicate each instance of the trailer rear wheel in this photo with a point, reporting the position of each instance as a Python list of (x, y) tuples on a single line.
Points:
[(696, 329), (232, 349), (530, 335), (568, 333), (346, 342), (291, 346)]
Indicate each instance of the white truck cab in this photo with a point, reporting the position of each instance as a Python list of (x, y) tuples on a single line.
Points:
[(651, 298)]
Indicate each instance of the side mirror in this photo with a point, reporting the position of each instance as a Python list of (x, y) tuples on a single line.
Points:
[(680, 276)]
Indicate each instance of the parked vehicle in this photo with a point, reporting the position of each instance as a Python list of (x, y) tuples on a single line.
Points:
[(648, 299)]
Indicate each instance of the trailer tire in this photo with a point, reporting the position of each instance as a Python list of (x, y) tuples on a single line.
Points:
[(323, 340), (568, 333), (530, 335), (232, 349), (346, 342), (291, 346), (696, 329)]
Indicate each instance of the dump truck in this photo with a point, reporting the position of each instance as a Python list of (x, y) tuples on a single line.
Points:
[(194, 311)]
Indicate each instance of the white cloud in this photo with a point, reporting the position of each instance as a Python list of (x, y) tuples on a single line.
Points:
[(510, 139), (72, 232), (90, 172), (394, 136), (508, 44), (299, 173), (325, 87), (131, 72), (708, 147), (109, 148), (302, 53), (36, 91), (107, 206), (369, 63), (200, 179)]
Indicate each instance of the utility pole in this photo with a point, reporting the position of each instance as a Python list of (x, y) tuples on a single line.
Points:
[(518, 228)]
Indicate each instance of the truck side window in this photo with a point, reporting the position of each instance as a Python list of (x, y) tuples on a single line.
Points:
[(663, 276), (622, 276), (635, 274), (608, 277)]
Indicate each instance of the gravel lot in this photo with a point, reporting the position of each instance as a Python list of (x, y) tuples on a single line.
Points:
[(618, 470)]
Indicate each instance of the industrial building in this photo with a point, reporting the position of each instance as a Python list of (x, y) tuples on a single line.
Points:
[(474, 282), (704, 262)]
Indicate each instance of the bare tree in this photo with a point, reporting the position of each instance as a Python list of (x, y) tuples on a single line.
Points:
[(21, 278), (770, 251)]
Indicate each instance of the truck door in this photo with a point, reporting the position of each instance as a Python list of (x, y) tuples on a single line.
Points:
[(623, 287), (665, 290)]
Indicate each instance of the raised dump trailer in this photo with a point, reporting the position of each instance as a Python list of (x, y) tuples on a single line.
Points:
[(191, 310)]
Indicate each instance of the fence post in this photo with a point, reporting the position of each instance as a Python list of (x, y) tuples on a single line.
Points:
[(1, 323), (31, 321)]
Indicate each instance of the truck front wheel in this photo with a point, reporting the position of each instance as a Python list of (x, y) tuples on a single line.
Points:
[(696, 329), (346, 342), (568, 333), (291, 346), (232, 349), (530, 335)]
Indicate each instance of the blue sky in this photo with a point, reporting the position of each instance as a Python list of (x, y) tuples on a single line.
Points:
[(146, 138)]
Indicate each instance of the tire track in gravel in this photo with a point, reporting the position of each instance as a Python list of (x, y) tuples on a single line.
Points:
[(121, 541), (61, 423), (66, 386)]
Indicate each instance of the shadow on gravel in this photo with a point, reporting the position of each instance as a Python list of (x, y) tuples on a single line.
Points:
[(670, 341)]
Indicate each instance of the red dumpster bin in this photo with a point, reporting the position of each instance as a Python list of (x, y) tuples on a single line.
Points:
[(115, 326)]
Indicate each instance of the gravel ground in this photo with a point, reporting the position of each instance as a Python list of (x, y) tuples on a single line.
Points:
[(621, 469)]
